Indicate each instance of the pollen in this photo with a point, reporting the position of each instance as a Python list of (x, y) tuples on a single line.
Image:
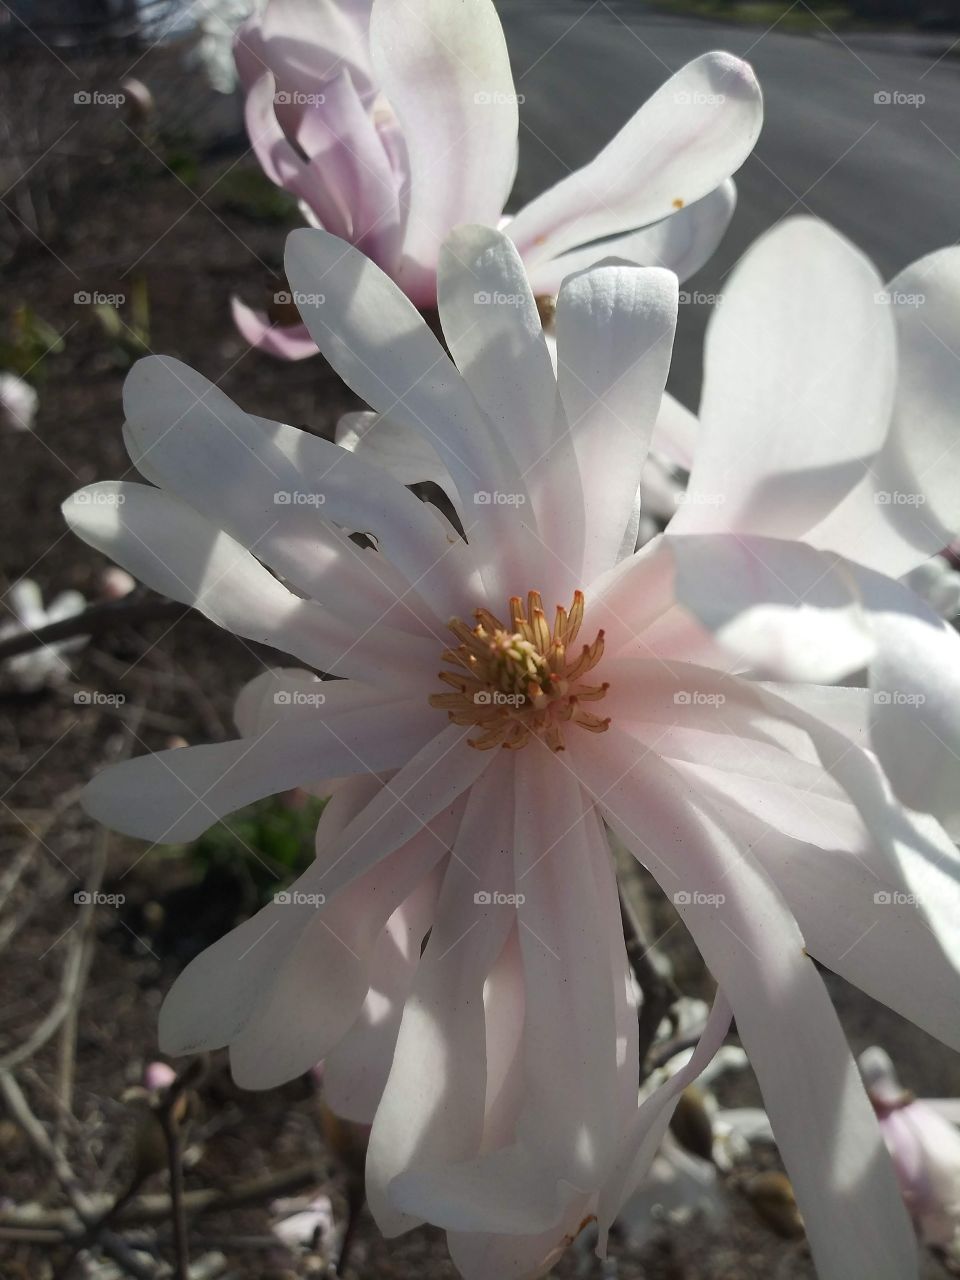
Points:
[(522, 680)]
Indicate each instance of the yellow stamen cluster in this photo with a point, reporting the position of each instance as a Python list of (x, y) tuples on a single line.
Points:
[(521, 680)]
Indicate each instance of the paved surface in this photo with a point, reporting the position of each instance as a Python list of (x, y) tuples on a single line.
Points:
[(887, 175)]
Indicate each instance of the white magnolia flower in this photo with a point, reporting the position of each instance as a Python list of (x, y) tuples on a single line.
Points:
[(924, 1143), (500, 1067), (396, 121), (25, 611), (18, 402), (828, 421)]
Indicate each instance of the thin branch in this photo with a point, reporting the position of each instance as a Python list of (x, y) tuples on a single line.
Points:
[(93, 621), (659, 992)]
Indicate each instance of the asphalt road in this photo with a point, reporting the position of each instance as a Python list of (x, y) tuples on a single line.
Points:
[(886, 174)]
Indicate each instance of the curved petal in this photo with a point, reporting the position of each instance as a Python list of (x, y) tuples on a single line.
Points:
[(307, 41), (175, 795), (915, 679), (493, 329), (381, 346), (676, 432), (396, 447), (174, 550), (682, 243), (286, 342), (274, 485), (799, 370), (694, 132), (783, 608), (907, 508), (615, 328), (825, 1127), (432, 1112), (445, 70), (356, 1070)]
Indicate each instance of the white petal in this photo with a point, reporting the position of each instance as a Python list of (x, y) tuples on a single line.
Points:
[(355, 1071), (824, 1125), (682, 243), (274, 486), (615, 328), (907, 508), (380, 345), (694, 132), (675, 434), (432, 1111), (175, 795), (781, 607), (445, 69), (395, 446), (799, 369), (493, 329), (176, 551), (915, 678)]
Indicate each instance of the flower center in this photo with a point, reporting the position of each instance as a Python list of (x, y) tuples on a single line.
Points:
[(521, 680)]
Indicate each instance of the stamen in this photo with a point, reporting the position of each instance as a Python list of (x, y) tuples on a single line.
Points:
[(517, 684)]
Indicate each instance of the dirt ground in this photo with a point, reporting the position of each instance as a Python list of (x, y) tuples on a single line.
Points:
[(129, 223)]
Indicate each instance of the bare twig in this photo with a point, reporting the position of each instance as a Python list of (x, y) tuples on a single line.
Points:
[(659, 991), (94, 621)]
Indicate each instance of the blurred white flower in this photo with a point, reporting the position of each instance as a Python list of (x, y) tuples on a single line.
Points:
[(925, 1146), (46, 665), (499, 1067), (396, 121), (938, 583), (18, 403)]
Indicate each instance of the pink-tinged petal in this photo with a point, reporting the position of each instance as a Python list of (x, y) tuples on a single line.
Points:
[(432, 1113), (308, 41), (615, 328), (569, 1123), (519, 1257), (445, 71), (682, 243), (799, 370), (285, 695), (825, 1127), (356, 1070), (915, 678), (284, 164), (227, 986), (249, 53), (861, 921), (319, 991), (650, 1121), (285, 341), (694, 132), (493, 329), (907, 507), (169, 547), (344, 148), (381, 346), (274, 484), (444, 769), (782, 608), (176, 795)]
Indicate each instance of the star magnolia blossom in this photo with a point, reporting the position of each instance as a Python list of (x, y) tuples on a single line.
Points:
[(395, 122), (924, 1143), (499, 1069)]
